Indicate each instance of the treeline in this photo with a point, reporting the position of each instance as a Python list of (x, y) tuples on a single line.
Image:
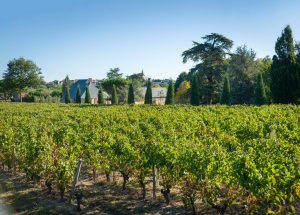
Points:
[(219, 76), (222, 76)]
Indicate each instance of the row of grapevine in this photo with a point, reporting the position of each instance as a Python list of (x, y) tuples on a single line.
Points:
[(218, 154)]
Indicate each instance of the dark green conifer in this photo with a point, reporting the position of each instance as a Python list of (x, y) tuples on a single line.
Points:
[(87, 98), (225, 98), (100, 96), (170, 94), (194, 96), (148, 95), (114, 96), (260, 93), (78, 95), (284, 81), (130, 94), (67, 97)]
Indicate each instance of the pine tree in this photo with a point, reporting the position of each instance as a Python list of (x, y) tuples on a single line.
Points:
[(170, 94), (78, 95), (100, 96), (210, 59), (67, 97), (87, 98), (114, 96), (148, 95), (195, 98), (284, 83), (225, 99), (130, 95), (260, 93)]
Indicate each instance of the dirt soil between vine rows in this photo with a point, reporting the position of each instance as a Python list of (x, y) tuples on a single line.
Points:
[(20, 196)]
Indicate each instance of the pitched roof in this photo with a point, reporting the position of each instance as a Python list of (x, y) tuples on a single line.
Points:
[(82, 83)]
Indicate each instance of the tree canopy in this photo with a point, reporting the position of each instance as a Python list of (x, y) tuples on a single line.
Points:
[(114, 73), (284, 75), (138, 81), (114, 96), (210, 56), (243, 71), (21, 73), (183, 93), (195, 97), (181, 77)]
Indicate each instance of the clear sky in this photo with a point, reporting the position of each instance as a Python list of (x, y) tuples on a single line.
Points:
[(84, 38)]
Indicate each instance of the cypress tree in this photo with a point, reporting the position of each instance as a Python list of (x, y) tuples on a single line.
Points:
[(260, 93), (78, 95), (67, 97), (148, 95), (284, 83), (195, 98), (66, 84), (225, 98), (114, 97), (130, 95), (100, 96), (170, 94), (87, 98)]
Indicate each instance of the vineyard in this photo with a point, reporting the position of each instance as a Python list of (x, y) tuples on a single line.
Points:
[(214, 155)]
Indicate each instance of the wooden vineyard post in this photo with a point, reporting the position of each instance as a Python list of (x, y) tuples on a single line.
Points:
[(76, 176), (154, 182)]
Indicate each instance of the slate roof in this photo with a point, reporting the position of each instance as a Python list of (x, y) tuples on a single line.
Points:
[(82, 83)]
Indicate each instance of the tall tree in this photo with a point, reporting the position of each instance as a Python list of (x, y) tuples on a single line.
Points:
[(284, 81), (183, 93), (78, 95), (87, 98), (260, 93), (114, 73), (298, 71), (181, 77), (148, 95), (211, 54), (67, 96), (114, 96), (100, 96), (264, 67), (195, 98), (120, 85), (243, 71), (65, 85), (21, 73), (225, 99), (130, 99), (170, 94), (138, 81)]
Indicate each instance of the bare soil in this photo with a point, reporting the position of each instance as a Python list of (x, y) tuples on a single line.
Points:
[(20, 196)]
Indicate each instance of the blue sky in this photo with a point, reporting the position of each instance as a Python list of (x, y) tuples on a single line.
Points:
[(84, 38)]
